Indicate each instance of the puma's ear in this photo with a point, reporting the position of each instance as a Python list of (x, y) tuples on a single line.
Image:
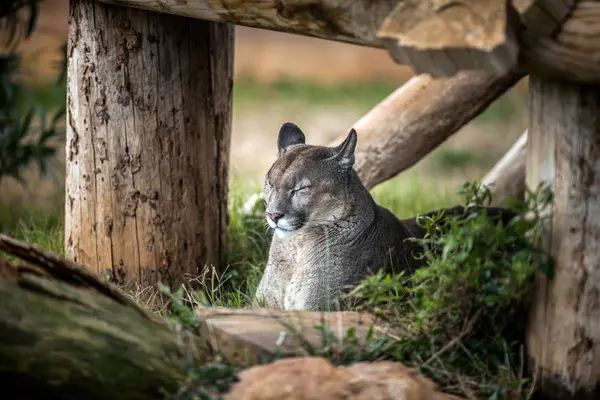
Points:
[(344, 153), (289, 135)]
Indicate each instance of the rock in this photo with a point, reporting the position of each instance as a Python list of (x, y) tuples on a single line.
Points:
[(247, 336), (310, 378)]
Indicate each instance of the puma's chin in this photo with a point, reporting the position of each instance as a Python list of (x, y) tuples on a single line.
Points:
[(284, 233)]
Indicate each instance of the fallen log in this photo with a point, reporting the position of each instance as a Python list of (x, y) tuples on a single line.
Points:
[(506, 180), (418, 117), (66, 334), (354, 22)]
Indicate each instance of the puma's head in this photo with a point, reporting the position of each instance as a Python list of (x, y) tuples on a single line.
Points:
[(307, 185)]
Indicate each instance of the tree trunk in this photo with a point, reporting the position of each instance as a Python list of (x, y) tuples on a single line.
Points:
[(506, 180), (149, 122), (563, 150), (415, 119)]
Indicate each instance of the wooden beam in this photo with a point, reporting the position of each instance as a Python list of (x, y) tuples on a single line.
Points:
[(418, 117), (148, 143), (506, 180), (563, 150), (345, 21), (543, 17), (432, 37)]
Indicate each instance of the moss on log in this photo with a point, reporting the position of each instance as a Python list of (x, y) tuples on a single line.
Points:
[(61, 337)]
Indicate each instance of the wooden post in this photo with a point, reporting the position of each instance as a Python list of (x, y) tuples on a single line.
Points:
[(149, 117), (563, 150)]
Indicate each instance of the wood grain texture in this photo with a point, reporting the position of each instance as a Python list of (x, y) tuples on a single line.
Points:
[(149, 116), (543, 17), (564, 151), (573, 53), (545, 47), (341, 20), (506, 179), (418, 117)]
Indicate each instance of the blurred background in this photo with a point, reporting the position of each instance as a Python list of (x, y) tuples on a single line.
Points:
[(322, 86)]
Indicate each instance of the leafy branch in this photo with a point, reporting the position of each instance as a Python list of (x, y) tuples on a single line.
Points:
[(26, 131)]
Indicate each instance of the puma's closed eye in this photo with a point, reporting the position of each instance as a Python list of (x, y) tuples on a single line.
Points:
[(300, 189)]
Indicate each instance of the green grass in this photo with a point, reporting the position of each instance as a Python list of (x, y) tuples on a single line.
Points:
[(444, 335), (462, 317), (248, 235), (361, 95), (407, 195), (312, 95), (33, 226), (309, 94), (448, 160)]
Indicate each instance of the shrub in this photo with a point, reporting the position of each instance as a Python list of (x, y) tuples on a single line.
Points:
[(20, 114), (462, 317)]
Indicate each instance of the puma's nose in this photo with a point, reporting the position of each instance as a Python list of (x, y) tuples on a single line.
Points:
[(274, 216)]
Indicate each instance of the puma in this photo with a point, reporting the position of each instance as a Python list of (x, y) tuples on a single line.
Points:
[(329, 232)]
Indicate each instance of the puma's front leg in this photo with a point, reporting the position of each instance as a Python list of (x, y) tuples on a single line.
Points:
[(308, 294), (270, 292)]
